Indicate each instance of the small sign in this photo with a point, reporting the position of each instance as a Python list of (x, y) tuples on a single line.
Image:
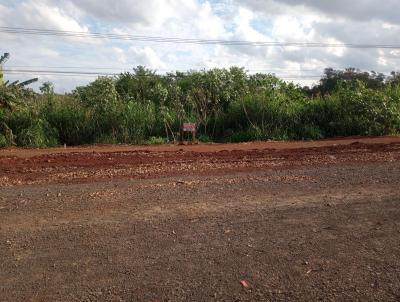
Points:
[(189, 127)]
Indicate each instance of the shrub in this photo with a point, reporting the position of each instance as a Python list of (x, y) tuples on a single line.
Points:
[(226, 105), (73, 122), (204, 138), (156, 141), (3, 141), (31, 130)]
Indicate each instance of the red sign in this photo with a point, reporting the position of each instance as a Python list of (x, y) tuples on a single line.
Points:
[(189, 127)]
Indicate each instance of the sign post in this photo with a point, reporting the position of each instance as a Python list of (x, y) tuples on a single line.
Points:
[(188, 127)]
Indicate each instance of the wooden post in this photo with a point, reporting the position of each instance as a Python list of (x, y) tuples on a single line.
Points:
[(188, 127), (194, 136), (181, 133)]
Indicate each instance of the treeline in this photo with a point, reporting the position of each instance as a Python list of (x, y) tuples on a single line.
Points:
[(228, 105)]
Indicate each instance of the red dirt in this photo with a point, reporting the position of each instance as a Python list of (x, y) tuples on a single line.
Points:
[(202, 147), (297, 221), (108, 162)]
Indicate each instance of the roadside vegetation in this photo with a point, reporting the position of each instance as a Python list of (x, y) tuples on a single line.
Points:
[(228, 105)]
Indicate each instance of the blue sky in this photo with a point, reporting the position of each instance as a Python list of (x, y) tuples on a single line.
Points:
[(252, 20)]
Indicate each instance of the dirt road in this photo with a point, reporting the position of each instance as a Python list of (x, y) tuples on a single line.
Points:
[(254, 223)]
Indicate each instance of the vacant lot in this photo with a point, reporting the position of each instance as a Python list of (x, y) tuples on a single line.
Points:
[(295, 221)]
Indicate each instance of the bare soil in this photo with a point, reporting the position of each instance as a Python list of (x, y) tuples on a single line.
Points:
[(240, 222)]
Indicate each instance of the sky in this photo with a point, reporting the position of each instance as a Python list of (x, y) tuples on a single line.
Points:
[(305, 21)]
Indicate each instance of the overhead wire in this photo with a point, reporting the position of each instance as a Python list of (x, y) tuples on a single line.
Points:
[(143, 38), (119, 68), (159, 39), (110, 74)]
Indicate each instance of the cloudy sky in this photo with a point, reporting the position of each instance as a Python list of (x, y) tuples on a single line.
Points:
[(310, 21)]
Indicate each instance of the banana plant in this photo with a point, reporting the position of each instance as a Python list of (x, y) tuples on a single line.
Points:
[(3, 59), (9, 92)]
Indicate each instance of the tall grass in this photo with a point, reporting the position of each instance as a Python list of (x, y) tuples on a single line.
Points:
[(260, 109)]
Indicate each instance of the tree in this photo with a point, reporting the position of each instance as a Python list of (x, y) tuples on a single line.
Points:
[(10, 96), (3, 59), (99, 95), (138, 85), (394, 78), (332, 77), (47, 88)]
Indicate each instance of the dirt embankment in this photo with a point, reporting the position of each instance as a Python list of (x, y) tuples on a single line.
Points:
[(247, 222), (58, 166)]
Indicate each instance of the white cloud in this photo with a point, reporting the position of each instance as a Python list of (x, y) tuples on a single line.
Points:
[(364, 10), (120, 55), (252, 20), (148, 57), (39, 14)]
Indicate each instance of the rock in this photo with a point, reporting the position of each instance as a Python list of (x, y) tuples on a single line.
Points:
[(245, 284)]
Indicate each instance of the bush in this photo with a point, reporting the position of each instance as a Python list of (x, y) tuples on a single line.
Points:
[(226, 105), (134, 122), (156, 141), (31, 130), (73, 122), (38, 135), (3, 141), (204, 138)]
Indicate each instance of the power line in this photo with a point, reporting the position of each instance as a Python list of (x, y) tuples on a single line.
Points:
[(59, 72), (158, 69), (128, 68), (68, 67), (170, 73), (95, 74), (55, 75), (156, 39)]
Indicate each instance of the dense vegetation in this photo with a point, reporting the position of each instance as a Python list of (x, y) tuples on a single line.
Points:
[(227, 105)]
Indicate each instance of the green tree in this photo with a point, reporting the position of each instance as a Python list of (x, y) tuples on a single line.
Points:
[(333, 77), (99, 95), (47, 88), (139, 85)]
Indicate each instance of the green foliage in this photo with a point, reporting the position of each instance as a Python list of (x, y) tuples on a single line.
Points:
[(73, 122), (332, 78), (31, 130), (141, 85), (354, 109), (204, 138), (47, 88), (10, 99), (3, 141), (227, 105), (76, 123), (156, 141), (99, 95), (133, 122)]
